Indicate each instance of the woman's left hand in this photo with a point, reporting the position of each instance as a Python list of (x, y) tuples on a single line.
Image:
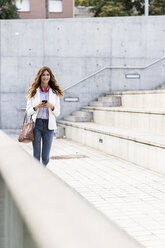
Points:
[(48, 105)]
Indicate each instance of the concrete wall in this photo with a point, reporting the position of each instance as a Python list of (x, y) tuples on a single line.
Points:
[(75, 48)]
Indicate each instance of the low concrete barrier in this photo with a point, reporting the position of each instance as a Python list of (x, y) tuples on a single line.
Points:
[(38, 210)]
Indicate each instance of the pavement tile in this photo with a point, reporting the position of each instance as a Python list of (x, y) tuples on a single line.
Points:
[(131, 196)]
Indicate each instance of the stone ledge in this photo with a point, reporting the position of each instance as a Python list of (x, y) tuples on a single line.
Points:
[(162, 91), (123, 109), (136, 136)]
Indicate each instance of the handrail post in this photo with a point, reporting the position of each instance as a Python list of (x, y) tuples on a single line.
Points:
[(146, 8)]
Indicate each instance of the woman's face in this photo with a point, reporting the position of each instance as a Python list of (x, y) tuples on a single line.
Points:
[(45, 77)]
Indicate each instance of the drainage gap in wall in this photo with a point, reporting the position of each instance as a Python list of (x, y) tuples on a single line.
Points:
[(69, 156)]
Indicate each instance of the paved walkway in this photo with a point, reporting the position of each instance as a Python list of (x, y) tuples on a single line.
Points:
[(131, 196)]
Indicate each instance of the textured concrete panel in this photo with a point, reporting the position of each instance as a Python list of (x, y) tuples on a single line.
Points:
[(150, 77), (90, 90), (138, 37), (19, 72), (12, 116), (22, 38), (68, 71), (78, 38)]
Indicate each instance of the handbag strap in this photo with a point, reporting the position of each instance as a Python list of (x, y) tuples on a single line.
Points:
[(25, 118)]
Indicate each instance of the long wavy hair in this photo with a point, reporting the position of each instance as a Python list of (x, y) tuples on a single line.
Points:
[(52, 83)]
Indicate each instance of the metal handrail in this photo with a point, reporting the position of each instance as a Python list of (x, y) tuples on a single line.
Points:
[(115, 67), (110, 67)]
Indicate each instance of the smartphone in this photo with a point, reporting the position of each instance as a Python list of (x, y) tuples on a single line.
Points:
[(45, 101)]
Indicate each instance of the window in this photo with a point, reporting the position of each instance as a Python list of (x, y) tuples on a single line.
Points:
[(24, 6), (55, 5)]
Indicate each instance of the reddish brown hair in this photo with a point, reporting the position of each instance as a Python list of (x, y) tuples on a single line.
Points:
[(52, 83)]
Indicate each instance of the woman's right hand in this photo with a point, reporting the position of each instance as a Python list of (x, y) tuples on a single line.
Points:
[(40, 105)]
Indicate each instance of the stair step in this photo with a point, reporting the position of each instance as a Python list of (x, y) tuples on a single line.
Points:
[(141, 99), (60, 132), (85, 114), (141, 148), (136, 92), (76, 118), (104, 104), (110, 98), (148, 120), (124, 109)]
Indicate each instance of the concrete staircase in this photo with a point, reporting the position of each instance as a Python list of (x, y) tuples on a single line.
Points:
[(85, 115), (80, 116), (128, 125)]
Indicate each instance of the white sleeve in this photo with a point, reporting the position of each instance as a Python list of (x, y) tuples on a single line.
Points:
[(29, 107), (56, 110)]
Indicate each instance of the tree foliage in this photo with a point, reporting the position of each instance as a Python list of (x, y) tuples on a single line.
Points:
[(8, 9), (157, 7), (122, 7)]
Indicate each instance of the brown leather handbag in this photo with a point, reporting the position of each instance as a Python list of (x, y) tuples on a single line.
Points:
[(26, 134)]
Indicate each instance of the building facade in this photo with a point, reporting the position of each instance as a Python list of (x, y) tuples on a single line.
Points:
[(82, 11), (36, 9)]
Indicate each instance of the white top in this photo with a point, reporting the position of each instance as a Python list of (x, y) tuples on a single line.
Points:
[(43, 113), (53, 99)]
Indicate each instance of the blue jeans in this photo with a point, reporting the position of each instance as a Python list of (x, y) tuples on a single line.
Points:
[(41, 131)]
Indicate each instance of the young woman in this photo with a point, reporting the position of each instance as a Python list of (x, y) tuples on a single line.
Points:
[(44, 105)]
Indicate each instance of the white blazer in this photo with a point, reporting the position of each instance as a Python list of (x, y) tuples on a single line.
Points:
[(53, 99)]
